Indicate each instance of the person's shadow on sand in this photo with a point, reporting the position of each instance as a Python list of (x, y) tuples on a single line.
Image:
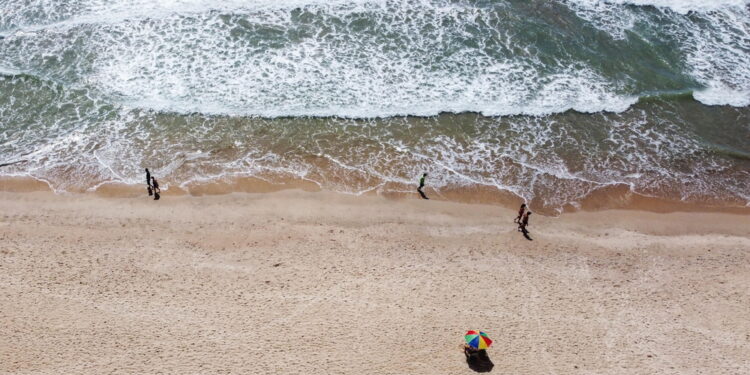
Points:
[(478, 360), (526, 234)]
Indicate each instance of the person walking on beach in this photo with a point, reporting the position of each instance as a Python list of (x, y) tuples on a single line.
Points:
[(521, 211), (155, 184), (524, 222), (421, 185), (148, 183)]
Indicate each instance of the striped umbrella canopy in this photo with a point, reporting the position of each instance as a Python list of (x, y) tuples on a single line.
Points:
[(477, 339)]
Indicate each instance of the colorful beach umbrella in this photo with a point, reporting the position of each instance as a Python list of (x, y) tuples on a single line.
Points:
[(477, 339)]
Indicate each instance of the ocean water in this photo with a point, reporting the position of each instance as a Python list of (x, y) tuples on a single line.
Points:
[(548, 100)]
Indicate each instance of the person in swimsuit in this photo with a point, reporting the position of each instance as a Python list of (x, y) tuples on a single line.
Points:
[(421, 185), (157, 191), (521, 211), (524, 223), (148, 183)]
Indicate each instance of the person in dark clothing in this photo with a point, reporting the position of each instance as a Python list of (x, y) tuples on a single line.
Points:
[(524, 223), (156, 188), (477, 359), (521, 211), (148, 183), (421, 185)]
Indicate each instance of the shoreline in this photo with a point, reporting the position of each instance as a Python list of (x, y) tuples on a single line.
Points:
[(321, 283), (609, 198)]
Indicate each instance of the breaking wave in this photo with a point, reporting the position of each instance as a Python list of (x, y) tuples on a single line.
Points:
[(550, 100)]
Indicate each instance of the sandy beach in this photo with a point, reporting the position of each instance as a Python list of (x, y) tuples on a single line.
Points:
[(288, 139), (297, 282)]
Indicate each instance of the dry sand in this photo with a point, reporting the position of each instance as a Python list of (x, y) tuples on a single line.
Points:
[(316, 283)]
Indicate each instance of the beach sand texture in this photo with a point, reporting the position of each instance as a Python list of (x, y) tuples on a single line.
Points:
[(317, 283)]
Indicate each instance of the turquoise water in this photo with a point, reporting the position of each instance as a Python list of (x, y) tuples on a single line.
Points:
[(548, 100)]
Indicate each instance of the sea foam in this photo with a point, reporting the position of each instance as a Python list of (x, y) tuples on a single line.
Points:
[(93, 91)]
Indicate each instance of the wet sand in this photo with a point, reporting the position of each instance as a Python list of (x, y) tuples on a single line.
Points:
[(617, 197), (319, 283)]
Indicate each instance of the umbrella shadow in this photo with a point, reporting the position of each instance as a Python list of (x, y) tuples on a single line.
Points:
[(478, 360)]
